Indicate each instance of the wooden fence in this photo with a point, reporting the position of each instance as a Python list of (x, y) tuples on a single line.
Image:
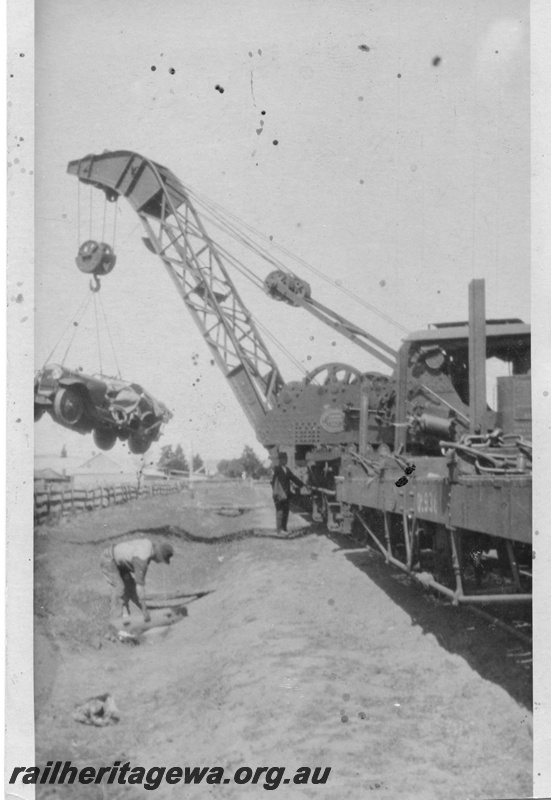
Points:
[(52, 501)]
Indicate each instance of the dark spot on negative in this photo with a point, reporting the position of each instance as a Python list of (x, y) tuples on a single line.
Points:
[(19, 298), (259, 131), (262, 112), (21, 55), (153, 69), (363, 47), (362, 715), (344, 718), (436, 60), (361, 180), (275, 142), (399, 75), (382, 283), (260, 52), (219, 88), (346, 697), (172, 71)]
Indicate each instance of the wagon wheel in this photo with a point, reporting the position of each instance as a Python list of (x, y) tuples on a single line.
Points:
[(138, 443), (68, 406), (334, 373), (105, 438)]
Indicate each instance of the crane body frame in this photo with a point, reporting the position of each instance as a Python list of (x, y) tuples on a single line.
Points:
[(358, 435)]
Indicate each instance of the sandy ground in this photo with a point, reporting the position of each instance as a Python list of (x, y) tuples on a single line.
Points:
[(308, 651)]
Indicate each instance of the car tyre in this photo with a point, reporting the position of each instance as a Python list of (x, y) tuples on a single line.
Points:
[(105, 438), (68, 406), (138, 444)]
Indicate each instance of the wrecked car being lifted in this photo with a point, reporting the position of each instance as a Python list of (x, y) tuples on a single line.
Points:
[(109, 407)]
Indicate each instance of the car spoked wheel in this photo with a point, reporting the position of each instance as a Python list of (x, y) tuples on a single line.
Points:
[(68, 406), (139, 444), (105, 438)]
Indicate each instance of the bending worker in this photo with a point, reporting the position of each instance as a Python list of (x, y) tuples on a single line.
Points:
[(124, 566), (281, 491)]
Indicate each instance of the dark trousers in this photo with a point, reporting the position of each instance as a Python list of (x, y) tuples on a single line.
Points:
[(282, 514)]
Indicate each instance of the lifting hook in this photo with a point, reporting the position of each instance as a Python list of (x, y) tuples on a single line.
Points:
[(95, 284)]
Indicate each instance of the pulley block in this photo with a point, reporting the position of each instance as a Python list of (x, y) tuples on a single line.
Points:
[(96, 258), (283, 286)]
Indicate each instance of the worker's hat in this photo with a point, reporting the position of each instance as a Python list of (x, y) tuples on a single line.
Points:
[(166, 551)]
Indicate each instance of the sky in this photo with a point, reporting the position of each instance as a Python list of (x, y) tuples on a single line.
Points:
[(401, 171)]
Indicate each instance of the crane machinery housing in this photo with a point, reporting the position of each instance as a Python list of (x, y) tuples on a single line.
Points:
[(411, 459)]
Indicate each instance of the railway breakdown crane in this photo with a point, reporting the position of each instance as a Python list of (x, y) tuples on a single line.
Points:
[(414, 462)]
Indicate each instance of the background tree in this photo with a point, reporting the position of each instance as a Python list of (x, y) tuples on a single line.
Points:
[(173, 458), (197, 462), (247, 463), (252, 465)]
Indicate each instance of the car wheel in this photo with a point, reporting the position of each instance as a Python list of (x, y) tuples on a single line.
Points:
[(68, 406), (38, 413), (138, 444), (105, 438)]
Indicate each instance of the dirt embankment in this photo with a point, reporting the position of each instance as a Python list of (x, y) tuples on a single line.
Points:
[(303, 654)]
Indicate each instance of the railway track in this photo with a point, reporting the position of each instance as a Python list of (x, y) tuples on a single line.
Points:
[(512, 619)]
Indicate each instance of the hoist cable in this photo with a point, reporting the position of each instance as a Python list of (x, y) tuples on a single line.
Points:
[(86, 304), (104, 215), (214, 206), (72, 321), (237, 234), (109, 336), (280, 265), (91, 204), (243, 268), (279, 345), (78, 216), (97, 333), (115, 224)]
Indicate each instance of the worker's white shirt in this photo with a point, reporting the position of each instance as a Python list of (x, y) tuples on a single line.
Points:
[(134, 556)]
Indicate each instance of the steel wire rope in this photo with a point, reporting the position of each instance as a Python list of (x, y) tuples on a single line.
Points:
[(71, 322), (91, 210), (104, 216), (279, 345), (115, 224), (97, 333), (252, 276), (237, 235), (110, 337), (205, 202), (84, 306), (78, 216)]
